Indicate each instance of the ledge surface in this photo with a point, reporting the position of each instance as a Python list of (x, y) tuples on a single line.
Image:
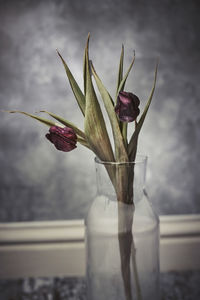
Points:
[(57, 248)]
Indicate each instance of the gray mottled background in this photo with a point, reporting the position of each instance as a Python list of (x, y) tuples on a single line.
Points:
[(39, 183)]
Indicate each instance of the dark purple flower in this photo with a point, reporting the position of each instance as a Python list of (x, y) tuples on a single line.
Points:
[(64, 139), (127, 107)]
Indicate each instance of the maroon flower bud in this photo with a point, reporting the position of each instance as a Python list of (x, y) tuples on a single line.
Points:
[(127, 107), (64, 139)]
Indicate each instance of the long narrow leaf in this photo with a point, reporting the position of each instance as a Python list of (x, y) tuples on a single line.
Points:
[(121, 154), (75, 88), (50, 123), (133, 142), (83, 142), (95, 128), (66, 123), (122, 84), (84, 72), (124, 133), (120, 72), (42, 120)]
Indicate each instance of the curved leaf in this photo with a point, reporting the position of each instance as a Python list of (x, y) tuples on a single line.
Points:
[(122, 83), (120, 72), (95, 128), (50, 123), (65, 122), (132, 147), (84, 72), (42, 120), (121, 154), (75, 88), (83, 142), (121, 86)]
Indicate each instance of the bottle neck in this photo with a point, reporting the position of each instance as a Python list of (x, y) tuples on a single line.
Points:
[(123, 182)]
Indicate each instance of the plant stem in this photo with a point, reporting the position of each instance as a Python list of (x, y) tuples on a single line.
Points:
[(122, 178), (135, 271), (125, 242)]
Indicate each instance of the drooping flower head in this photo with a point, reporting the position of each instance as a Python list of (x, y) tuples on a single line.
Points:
[(64, 139), (127, 107)]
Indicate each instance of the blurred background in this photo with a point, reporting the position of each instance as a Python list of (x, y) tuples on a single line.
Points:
[(38, 182)]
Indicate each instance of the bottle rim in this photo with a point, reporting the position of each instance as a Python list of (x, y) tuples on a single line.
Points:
[(140, 159)]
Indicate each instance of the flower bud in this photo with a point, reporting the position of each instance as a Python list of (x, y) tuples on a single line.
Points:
[(127, 107), (64, 139)]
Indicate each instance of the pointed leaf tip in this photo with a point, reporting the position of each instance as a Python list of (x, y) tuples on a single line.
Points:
[(123, 81), (133, 141), (80, 98), (88, 40), (94, 125)]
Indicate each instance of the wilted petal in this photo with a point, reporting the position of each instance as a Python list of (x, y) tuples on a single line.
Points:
[(64, 139), (127, 107)]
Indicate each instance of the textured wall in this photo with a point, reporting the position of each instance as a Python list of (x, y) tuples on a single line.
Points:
[(38, 182)]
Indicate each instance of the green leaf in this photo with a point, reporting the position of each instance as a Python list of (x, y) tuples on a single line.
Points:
[(83, 142), (75, 88), (80, 134), (66, 123), (132, 147), (120, 72), (95, 128), (122, 83), (121, 154), (84, 71), (124, 125), (42, 120)]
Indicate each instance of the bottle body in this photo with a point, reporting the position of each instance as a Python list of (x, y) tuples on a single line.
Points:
[(122, 245)]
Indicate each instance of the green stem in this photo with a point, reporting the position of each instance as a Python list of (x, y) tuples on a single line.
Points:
[(124, 133), (135, 271), (125, 242)]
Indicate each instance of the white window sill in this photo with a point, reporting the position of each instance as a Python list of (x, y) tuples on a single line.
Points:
[(57, 248)]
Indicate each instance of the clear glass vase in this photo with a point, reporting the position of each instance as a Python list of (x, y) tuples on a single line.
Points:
[(122, 235)]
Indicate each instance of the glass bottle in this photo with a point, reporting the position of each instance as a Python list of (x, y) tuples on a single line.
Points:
[(122, 236)]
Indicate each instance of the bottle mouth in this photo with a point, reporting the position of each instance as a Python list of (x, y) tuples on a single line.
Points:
[(140, 159)]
